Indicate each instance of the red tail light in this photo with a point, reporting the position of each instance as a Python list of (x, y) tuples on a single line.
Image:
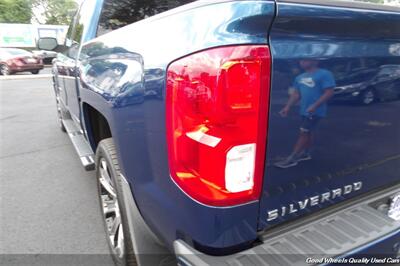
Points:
[(217, 123)]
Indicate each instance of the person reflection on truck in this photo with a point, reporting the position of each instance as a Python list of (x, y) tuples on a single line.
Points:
[(313, 89)]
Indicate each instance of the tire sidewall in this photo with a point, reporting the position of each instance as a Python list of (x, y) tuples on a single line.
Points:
[(102, 151), (4, 73)]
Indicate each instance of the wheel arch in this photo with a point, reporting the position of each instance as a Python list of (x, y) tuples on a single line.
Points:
[(96, 124)]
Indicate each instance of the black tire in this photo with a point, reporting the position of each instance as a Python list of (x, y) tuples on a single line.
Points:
[(368, 97), (106, 152), (4, 70), (35, 72)]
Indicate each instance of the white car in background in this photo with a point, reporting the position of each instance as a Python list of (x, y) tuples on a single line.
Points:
[(47, 56)]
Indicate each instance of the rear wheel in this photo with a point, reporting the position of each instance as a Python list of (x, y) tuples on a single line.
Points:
[(35, 72), (112, 205), (4, 70)]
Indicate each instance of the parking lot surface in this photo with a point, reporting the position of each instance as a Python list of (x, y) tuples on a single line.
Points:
[(49, 211)]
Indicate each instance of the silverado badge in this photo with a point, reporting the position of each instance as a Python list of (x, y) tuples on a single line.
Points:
[(316, 200)]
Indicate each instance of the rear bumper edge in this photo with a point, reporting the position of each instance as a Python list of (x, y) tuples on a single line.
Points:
[(348, 231)]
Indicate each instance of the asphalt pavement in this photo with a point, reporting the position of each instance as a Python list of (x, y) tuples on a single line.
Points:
[(44, 71), (49, 210)]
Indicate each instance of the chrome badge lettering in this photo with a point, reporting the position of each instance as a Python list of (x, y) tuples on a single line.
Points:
[(313, 201)]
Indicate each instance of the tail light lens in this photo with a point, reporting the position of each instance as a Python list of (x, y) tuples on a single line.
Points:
[(217, 123)]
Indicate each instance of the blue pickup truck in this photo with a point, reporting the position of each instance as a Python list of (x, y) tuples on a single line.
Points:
[(237, 132)]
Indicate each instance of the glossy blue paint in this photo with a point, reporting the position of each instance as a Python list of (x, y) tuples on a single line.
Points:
[(122, 75), (355, 142)]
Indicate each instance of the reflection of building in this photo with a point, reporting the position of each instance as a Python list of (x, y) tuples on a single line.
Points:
[(383, 2), (26, 35), (56, 31), (392, 2)]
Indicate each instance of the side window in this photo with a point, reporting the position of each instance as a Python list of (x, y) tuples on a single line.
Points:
[(68, 37), (116, 14), (77, 28)]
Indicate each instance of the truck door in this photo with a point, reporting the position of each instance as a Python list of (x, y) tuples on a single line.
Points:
[(59, 65), (82, 31), (69, 65)]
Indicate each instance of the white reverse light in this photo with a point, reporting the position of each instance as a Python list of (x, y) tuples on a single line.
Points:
[(239, 169)]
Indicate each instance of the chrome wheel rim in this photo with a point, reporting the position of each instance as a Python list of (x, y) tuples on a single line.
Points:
[(111, 211), (4, 70), (369, 97)]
